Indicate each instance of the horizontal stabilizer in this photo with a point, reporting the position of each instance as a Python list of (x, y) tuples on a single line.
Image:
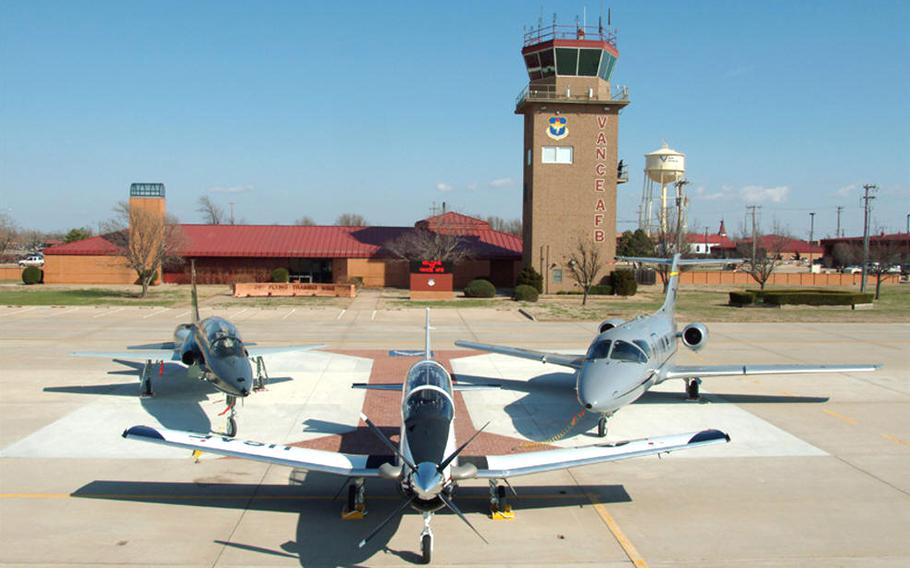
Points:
[(681, 261), (573, 361), (398, 386), (131, 354), (266, 351)]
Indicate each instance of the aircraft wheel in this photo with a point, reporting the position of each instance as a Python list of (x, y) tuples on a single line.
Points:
[(231, 427), (426, 547), (602, 427), (692, 389), (352, 497)]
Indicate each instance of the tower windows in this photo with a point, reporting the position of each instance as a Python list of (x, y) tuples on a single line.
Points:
[(566, 61), (556, 154)]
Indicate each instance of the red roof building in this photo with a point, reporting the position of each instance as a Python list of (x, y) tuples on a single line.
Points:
[(248, 253)]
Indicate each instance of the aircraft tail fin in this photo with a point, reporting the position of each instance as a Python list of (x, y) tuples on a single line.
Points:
[(194, 296), (428, 350), (675, 263)]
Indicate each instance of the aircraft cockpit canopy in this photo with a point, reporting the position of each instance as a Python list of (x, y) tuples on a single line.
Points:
[(429, 374), (599, 349), (629, 352), (428, 405), (223, 337)]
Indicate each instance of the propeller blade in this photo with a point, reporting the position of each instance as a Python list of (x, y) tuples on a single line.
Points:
[(461, 516), (382, 437), (404, 505), (454, 455)]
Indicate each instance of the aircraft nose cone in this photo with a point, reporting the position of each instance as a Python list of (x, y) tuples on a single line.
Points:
[(427, 481)]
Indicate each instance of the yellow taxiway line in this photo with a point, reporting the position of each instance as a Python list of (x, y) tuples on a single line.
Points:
[(620, 536)]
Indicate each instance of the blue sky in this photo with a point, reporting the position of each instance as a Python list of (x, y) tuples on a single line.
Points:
[(303, 108)]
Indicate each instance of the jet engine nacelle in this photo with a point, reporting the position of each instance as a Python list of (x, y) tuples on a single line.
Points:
[(609, 324), (191, 357), (694, 336)]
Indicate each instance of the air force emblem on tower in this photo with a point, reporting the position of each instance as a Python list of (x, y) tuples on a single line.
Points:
[(557, 127)]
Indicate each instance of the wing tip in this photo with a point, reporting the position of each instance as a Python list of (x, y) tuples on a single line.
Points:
[(142, 432), (709, 436)]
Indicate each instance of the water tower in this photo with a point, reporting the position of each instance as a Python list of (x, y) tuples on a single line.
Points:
[(663, 167)]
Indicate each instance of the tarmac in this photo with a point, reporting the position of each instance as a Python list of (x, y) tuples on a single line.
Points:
[(817, 473)]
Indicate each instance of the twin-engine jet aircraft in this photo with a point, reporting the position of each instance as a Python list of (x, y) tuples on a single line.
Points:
[(212, 350), (629, 357), (425, 465)]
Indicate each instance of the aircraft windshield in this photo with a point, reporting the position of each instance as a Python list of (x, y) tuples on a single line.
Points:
[(428, 404), (221, 334), (644, 346), (227, 346), (625, 351), (429, 374), (599, 349)]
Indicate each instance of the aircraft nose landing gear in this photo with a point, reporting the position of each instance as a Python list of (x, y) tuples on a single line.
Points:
[(692, 389), (426, 539), (230, 427)]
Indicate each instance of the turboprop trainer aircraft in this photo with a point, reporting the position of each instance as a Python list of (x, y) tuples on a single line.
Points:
[(629, 357), (212, 350), (425, 465)]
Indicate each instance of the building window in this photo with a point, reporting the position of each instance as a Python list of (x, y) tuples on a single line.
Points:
[(529, 156), (557, 275), (556, 155)]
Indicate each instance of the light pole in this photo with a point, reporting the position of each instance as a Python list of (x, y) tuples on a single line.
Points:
[(868, 199), (811, 226)]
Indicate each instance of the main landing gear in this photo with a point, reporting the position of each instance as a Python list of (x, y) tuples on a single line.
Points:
[(426, 538), (145, 381), (355, 508), (500, 509), (692, 389), (262, 376)]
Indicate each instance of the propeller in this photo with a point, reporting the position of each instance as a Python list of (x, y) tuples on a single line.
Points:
[(461, 448), (461, 516), (404, 505), (388, 443)]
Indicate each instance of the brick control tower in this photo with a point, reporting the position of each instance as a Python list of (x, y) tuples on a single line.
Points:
[(570, 157)]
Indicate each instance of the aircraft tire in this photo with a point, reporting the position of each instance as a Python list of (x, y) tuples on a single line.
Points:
[(602, 427), (426, 548), (352, 497), (231, 427)]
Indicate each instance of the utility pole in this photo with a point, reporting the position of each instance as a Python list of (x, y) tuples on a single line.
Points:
[(811, 226), (232, 212), (869, 188), (680, 214), (837, 232), (908, 223)]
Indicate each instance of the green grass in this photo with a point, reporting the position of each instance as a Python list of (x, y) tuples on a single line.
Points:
[(711, 305), (52, 296)]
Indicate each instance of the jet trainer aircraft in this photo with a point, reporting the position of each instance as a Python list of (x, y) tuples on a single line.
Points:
[(425, 465), (629, 357), (212, 350)]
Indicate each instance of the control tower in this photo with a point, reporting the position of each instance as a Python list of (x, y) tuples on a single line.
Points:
[(571, 169)]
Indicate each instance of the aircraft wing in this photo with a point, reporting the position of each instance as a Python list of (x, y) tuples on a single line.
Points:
[(335, 463), (692, 371), (131, 354), (573, 361), (501, 467), (266, 351)]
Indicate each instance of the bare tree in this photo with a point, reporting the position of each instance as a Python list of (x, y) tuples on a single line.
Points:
[(422, 244), (845, 254), (8, 235), (351, 220), (512, 226), (305, 221), (32, 240), (763, 258), (212, 213), (584, 266), (883, 257), (150, 242), (119, 222)]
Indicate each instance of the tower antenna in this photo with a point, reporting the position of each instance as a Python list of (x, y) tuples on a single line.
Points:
[(609, 18)]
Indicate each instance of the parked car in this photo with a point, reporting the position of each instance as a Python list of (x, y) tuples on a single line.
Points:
[(895, 269), (852, 269), (32, 260)]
